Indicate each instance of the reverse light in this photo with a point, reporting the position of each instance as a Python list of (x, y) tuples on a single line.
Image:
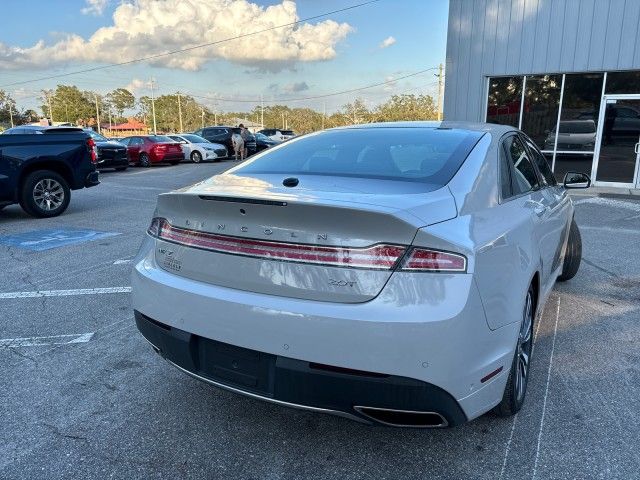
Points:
[(428, 260)]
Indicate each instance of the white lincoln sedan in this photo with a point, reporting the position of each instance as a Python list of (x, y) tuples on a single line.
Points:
[(388, 273)]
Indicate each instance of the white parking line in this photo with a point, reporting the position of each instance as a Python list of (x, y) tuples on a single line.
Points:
[(515, 417), (546, 392), (64, 293), (123, 261), (46, 341)]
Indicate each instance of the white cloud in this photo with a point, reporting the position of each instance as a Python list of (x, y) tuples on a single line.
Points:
[(387, 42), (95, 7), (146, 27), (136, 85)]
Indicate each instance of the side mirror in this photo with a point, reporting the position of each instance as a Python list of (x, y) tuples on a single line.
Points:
[(576, 180)]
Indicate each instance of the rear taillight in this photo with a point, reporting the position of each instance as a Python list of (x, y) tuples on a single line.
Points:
[(380, 257), (427, 260), (91, 145)]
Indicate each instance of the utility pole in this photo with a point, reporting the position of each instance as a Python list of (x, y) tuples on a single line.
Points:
[(110, 124), (11, 113), (50, 111), (261, 111), (97, 112), (283, 121), (180, 112), (324, 112), (439, 75), (66, 111), (202, 117), (153, 108)]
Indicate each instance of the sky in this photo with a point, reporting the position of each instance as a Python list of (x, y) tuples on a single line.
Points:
[(373, 43)]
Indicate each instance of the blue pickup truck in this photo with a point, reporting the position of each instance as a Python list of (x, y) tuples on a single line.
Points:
[(39, 171)]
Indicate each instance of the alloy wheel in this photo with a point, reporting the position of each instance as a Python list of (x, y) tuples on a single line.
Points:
[(525, 342), (48, 194)]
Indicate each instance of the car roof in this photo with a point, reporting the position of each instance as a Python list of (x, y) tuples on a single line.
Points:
[(492, 128)]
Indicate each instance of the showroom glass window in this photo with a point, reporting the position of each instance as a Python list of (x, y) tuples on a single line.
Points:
[(540, 113), (578, 123), (505, 97), (623, 82)]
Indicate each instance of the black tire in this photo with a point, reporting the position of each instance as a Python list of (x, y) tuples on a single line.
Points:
[(44, 194), (196, 157), (121, 169), (573, 255), (144, 160), (515, 391)]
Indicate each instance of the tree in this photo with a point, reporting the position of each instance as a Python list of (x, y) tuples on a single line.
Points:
[(406, 107), (69, 104), (120, 100), (167, 113), (356, 112), (8, 110)]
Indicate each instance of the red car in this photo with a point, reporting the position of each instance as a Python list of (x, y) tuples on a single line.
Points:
[(145, 150)]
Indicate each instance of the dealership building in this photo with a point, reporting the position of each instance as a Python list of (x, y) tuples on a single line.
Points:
[(566, 72)]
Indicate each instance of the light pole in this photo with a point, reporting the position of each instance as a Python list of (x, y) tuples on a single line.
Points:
[(153, 109), (97, 112), (180, 112), (439, 75)]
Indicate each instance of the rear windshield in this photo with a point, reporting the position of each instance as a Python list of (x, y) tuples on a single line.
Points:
[(160, 139), (195, 138), (411, 154)]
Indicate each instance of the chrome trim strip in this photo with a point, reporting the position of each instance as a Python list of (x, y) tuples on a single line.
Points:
[(271, 400), (359, 409)]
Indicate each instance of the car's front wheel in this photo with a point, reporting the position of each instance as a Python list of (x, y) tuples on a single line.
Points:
[(196, 157), (45, 194), (144, 160), (516, 389), (573, 255)]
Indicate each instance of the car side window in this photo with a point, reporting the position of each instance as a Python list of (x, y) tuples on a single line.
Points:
[(208, 131), (542, 164), (505, 174), (523, 173), (137, 141), (125, 141)]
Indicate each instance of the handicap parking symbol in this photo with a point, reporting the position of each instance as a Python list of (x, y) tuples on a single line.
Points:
[(39, 240)]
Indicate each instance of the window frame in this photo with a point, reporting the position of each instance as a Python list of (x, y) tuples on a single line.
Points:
[(530, 145), (512, 167)]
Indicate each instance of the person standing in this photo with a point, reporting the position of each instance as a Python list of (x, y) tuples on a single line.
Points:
[(244, 133)]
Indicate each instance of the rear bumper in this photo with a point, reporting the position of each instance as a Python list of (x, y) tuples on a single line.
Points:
[(92, 180), (428, 329), (297, 383)]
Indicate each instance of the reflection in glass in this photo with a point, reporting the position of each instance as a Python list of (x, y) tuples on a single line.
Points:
[(623, 82), (620, 133), (503, 104), (572, 162), (541, 103)]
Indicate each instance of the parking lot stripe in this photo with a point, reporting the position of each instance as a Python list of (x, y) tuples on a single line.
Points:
[(46, 341), (546, 392), (609, 202), (515, 417), (64, 293), (123, 261)]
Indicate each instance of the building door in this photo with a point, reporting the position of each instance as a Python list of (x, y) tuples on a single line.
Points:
[(618, 142)]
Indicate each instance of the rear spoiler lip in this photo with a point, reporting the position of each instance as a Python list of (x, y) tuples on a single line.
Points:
[(254, 201)]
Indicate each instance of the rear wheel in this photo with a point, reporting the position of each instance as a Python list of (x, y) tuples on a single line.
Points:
[(45, 194), (516, 389), (196, 157), (573, 255), (144, 160)]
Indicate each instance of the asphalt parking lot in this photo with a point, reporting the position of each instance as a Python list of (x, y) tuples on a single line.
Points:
[(83, 395)]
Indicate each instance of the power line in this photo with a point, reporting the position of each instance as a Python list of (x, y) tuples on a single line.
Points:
[(314, 97), (188, 49)]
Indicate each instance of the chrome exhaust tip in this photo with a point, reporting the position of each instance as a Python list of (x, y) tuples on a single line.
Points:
[(403, 418)]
